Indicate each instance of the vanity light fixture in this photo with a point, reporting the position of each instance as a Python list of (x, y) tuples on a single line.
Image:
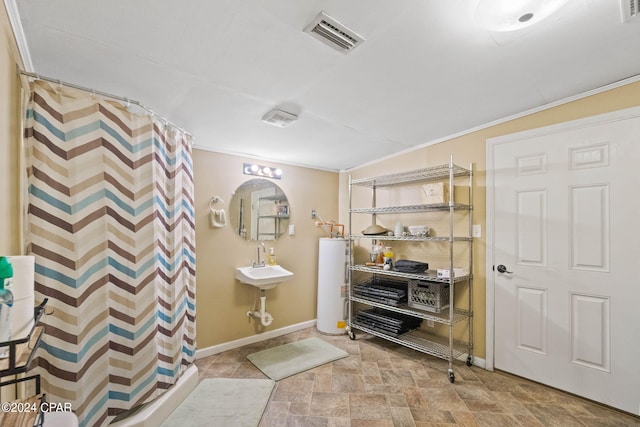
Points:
[(262, 171), (511, 15)]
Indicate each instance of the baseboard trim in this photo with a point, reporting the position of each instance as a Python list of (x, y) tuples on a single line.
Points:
[(480, 363), (219, 348)]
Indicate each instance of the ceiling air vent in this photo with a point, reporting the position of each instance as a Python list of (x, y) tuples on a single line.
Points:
[(630, 9), (279, 118), (333, 33)]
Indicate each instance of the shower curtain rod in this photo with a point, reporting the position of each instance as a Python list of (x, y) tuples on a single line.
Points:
[(104, 94)]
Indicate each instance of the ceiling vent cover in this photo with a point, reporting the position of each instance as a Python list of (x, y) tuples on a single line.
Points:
[(630, 9), (279, 118), (331, 32)]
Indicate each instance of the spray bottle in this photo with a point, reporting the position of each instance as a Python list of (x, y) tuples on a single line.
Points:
[(6, 302)]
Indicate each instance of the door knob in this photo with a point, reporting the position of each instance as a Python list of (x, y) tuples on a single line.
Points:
[(503, 269)]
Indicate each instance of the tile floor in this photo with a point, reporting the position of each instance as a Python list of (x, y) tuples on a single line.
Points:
[(384, 384)]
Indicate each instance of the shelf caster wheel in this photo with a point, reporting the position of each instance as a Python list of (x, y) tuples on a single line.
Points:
[(352, 335), (469, 361), (452, 377)]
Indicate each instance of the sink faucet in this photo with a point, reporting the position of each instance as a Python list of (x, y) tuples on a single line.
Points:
[(259, 263)]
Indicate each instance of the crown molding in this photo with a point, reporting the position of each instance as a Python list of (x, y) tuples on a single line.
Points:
[(18, 33), (601, 89)]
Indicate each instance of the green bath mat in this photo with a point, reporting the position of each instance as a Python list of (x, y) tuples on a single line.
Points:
[(223, 402), (289, 359)]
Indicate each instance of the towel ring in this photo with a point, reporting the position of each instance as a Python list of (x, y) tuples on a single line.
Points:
[(215, 199)]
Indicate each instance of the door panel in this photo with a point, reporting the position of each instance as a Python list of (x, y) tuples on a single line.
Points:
[(589, 227), (590, 331), (532, 319), (532, 227), (565, 207)]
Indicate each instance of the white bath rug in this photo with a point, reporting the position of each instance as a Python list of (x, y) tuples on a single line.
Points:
[(223, 402), (289, 359)]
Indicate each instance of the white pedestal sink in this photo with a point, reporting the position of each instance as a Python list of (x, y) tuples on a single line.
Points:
[(264, 278)]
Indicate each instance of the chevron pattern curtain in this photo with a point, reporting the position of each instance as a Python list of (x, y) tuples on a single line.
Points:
[(110, 221)]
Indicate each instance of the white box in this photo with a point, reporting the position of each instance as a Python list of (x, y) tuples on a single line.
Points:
[(418, 230), (444, 273)]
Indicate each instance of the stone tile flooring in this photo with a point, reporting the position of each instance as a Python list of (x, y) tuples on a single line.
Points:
[(384, 384)]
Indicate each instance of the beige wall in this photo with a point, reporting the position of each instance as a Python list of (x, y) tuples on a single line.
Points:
[(9, 140), (222, 302), (471, 148)]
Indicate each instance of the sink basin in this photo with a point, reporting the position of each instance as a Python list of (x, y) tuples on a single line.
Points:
[(266, 277)]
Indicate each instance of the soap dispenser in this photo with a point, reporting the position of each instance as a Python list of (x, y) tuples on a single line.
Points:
[(272, 256)]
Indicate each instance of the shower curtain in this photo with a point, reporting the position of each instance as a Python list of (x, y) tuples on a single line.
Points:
[(110, 221)]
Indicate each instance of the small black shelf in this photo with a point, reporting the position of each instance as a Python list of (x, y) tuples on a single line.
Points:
[(21, 353), (21, 350)]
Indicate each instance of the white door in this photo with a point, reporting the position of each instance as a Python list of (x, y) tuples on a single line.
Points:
[(566, 206)]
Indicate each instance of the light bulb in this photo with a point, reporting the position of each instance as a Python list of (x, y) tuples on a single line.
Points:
[(511, 15)]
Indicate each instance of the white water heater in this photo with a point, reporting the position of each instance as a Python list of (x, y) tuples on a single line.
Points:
[(333, 278)]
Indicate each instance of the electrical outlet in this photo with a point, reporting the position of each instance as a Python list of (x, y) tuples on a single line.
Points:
[(476, 230), (430, 323)]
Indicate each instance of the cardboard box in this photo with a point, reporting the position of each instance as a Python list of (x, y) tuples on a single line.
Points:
[(438, 193)]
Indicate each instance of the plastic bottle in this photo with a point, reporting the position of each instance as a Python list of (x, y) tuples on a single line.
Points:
[(373, 254), (272, 256), (380, 254), (388, 257), (6, 302)]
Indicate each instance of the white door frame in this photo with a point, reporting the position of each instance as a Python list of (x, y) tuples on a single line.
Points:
[(490, 197)]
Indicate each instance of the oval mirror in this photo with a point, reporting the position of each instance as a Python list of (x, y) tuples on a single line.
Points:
[(259, 210)]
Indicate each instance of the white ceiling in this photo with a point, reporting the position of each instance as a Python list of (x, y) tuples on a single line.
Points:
[(426, 71)]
